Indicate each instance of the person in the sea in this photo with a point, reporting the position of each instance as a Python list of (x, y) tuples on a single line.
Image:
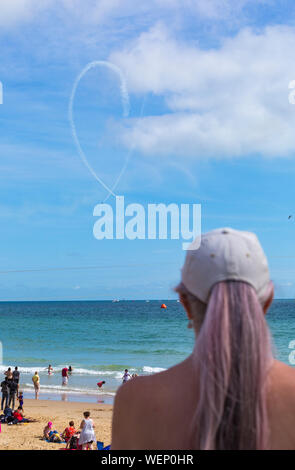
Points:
[(5, 393), (234, 395), (64, 375), (126, 376), (87, 436), (70, 370), (100, 384), (36, 382), (50, 369)]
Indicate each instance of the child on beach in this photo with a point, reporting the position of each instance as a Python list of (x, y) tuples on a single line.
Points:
[(21, 400), (47, 430), (69, 432), (49, 435)]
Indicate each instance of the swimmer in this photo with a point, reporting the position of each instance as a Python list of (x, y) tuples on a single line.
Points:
[(50, 369)]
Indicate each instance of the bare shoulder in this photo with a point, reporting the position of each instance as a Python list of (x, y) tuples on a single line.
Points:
[(281, 405), (139, 405), (282, 375)]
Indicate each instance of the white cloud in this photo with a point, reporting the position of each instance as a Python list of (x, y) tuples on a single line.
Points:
[(16, 11), (230, 101)]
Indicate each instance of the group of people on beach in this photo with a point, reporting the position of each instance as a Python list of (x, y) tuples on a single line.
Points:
[(10, 393), (82, 438), (10, 389)]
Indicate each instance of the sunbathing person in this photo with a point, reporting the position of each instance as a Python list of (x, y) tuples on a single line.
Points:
[(234, 395)]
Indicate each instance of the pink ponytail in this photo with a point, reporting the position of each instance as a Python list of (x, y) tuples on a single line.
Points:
[(232, 357)]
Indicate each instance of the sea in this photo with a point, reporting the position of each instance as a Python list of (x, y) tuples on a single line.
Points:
[(100, 339)]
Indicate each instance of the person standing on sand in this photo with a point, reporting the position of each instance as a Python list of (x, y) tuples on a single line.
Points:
[(87, 436), (8, 374), (5, 393), (16, 375), (234, 395), (13, 391), (36, 382)]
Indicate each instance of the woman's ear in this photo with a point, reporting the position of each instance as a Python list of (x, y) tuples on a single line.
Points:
[(268, 301)]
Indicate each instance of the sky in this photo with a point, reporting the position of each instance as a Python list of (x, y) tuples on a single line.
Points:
[(193, 109)]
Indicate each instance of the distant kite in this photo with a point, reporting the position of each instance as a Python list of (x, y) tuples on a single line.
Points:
[(289, 216)]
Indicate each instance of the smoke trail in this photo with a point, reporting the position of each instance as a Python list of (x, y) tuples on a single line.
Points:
[(126, 107)]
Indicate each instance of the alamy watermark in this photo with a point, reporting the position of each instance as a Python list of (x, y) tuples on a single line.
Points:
[(158, 221), (155, 221)]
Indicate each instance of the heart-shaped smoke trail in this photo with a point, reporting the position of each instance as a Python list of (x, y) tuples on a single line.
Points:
[(126, 108)]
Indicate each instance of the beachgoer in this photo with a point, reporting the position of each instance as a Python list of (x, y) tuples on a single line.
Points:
[(70, 370), (234, 394), (87, 436), (64, 375), (8, 374), (19, 416), (47, 430), (126, 376), (13, 390), (36, 382), (100, 384), (5, 393), (49, 369), (15, 375), (69, 432), (21, 400)]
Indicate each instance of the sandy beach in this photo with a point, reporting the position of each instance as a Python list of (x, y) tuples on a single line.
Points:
[(28, 436)]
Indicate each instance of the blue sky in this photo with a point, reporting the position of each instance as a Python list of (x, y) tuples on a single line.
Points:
[(210, 123)]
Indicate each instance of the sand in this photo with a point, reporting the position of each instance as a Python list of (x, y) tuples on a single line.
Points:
[(28, 436)]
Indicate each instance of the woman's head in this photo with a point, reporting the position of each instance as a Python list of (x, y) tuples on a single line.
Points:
[(86, 414), (226, 290)]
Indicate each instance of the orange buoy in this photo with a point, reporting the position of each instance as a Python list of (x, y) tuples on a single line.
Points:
[(163, 306)]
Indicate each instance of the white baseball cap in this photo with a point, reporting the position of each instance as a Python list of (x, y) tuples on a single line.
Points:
[(225, 254)]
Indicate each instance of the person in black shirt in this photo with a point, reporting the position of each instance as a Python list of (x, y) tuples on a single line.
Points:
[(15, 375), (5, 392), (13, 389)]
